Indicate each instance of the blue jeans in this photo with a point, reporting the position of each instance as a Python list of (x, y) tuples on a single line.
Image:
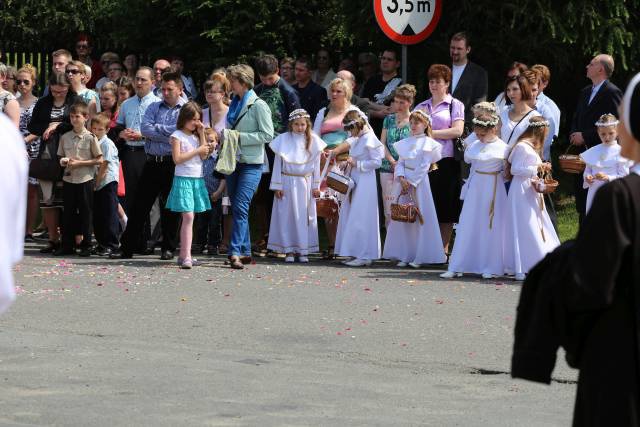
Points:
[(242, 185)]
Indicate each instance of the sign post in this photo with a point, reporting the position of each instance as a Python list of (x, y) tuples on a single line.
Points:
[(407, 22)]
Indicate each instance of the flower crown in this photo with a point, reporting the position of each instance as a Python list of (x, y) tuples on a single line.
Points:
[(362, 115), (540, 124), (299, 113), (423, 114), (485, 123), (604, 122)]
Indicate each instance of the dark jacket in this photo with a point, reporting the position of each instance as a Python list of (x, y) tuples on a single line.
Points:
[(472, 88), (586, 298), (587, 114), (41, 117), (313, 97)]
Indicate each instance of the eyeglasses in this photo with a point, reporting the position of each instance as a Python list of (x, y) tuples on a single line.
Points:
[(74, 72), (115, 69), (23, 82)]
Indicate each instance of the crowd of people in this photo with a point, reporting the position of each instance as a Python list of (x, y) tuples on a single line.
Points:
[(136, 156)]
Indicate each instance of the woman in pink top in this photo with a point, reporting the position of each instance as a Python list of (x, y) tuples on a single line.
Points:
[(447, 119)]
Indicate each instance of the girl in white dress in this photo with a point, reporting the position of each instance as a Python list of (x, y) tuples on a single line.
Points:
[(603, 162), (479, 236), (419, 242), (528, 233), (295, 180), (358, 227)]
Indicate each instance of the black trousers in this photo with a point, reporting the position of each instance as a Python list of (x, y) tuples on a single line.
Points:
[(155, 182), (106, 225), (133, 161), (208, 227), (78, 204), (581, 196)]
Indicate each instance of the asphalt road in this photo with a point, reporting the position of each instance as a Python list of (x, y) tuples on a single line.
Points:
[(95, 342)]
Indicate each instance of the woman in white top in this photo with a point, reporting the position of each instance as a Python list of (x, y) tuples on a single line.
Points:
[(479, 236), (419, 242), (529, 234), (603, 162), (514, 120), (358, 227)]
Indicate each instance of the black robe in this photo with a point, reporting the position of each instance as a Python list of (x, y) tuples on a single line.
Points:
[(593, 311)]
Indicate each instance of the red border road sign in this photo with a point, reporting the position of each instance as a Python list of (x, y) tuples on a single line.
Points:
[(407, 39)]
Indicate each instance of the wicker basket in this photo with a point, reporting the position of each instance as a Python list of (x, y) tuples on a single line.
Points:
[(408, 212), (327, 207), (571, 163), (546, 184)]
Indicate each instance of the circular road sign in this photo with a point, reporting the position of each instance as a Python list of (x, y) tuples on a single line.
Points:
[(407, 21)]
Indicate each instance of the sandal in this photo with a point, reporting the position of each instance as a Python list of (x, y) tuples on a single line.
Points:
[(328, 254), (235, 262)]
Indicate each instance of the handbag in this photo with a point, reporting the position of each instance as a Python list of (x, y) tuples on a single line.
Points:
[(458, 143), (46, 167), (340, 183), (408, 212)]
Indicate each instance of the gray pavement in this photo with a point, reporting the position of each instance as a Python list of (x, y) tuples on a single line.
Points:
[(95, 342)]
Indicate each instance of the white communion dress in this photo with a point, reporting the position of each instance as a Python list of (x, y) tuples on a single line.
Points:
[(605, 159), (479, 236), (416, 243), (528, 233), (358, 227), (296, 171)]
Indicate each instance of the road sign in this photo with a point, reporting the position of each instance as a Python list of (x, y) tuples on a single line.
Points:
[(407, 21)]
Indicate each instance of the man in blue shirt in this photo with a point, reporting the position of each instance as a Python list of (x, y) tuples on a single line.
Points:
[(158, 123)]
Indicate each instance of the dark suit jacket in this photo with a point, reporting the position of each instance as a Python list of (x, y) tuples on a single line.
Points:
[(606, 101), (472, 88)]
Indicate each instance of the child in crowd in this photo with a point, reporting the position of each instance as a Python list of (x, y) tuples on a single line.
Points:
[(189, 147), (419, 242), (106, 224), (80, 153), (296, 183), (529, 234), (479, 236), (209, 223), (603, 162), (358, 233)]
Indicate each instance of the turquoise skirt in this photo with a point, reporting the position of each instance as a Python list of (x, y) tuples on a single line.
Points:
[(188, 194)]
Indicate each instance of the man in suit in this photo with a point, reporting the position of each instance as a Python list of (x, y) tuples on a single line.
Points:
[(469, 81), (601, 97)]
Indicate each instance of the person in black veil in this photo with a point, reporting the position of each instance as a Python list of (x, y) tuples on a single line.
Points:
[(585, 297)]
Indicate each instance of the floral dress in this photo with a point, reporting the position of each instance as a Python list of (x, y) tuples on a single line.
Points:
[(34, 147)]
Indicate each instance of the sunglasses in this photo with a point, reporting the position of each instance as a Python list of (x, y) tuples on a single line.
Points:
[(74, 72), (23, 82)]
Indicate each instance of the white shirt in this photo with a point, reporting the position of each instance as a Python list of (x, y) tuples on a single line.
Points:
[(635, 169), (595, 90), (192, 168), (456, 71), (13, 187)]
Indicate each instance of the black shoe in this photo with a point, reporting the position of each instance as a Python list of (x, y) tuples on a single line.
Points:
[(61, 251), (166, 255), (50, 248), (85, 252), (120, 255), (28, 238), (101, 251), (212, 250), (146, 251)]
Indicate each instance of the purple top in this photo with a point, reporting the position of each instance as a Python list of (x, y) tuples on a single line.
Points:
[(442, 119)]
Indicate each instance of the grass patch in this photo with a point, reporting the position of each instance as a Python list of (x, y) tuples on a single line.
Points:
[(567, 219)]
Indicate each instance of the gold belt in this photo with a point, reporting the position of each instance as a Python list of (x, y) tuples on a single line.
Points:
[(296, 174), (493, 199)]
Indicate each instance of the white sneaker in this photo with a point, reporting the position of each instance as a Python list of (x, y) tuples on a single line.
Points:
[(347, 261), (488, 276), (450, 275), (401, 264), (414, 265), (303, 259), (358, 262), (289, 259), (520, 277)]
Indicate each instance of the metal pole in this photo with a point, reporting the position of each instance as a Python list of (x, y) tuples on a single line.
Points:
[(404, 63)]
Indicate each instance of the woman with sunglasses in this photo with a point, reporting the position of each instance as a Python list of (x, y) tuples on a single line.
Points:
[(25, 80)]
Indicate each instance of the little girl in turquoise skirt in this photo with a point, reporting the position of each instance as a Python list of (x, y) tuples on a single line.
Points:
[(188, 195)]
